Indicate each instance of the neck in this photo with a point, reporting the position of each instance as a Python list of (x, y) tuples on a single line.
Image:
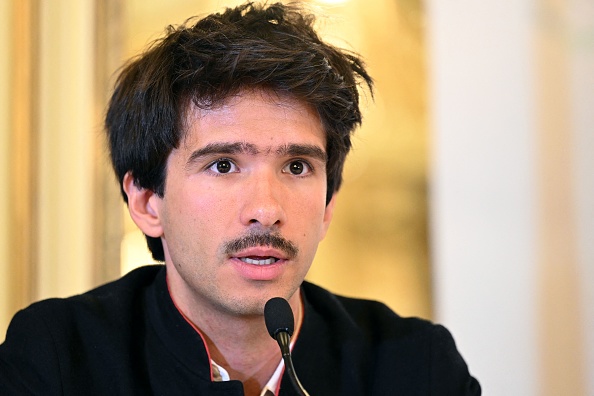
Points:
[(248, 354), (240, 344)]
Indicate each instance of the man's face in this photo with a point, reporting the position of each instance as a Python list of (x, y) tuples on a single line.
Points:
[(244, 204)]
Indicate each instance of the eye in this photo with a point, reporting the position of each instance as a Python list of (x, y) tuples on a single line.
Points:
[(298, 168), (223, 166)]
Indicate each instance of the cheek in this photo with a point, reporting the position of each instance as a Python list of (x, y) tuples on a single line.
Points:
[(203, 212), (185, 212), (309, 215), (192, 230)]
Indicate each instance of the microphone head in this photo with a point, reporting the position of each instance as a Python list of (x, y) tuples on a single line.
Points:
[(278, 316)]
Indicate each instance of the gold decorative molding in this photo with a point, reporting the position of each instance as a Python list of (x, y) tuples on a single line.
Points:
[(23, 154)]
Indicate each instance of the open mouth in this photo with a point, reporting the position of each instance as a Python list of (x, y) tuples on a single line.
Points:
[(259, 260)]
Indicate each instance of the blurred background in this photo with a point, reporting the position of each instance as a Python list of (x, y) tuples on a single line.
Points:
[(468, 198)]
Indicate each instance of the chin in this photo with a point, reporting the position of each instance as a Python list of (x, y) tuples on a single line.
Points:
[(246, 305)]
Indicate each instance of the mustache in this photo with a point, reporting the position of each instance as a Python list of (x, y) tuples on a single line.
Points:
[(261, 239)]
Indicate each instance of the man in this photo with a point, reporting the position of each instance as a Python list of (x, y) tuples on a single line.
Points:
[(229, 138)]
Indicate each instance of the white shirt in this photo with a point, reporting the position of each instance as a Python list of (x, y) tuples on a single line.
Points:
[(220, 374)]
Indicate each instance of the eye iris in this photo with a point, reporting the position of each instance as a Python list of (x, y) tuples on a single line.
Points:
[(296, 168), (223, 166)]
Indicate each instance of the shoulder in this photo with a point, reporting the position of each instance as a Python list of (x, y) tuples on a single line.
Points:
[(55, 336), (372, 318), (404, 353), (117, 295), (105, 305)]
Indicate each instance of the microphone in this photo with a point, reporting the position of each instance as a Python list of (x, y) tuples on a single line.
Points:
[(280, 324)]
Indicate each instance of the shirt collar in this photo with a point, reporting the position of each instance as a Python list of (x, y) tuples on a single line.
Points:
[(220, 374)]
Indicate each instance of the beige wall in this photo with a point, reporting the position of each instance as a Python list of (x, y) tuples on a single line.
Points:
[(512, 99)]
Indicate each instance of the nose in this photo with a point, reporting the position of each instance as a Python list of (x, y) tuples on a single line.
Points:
[(263, 204)]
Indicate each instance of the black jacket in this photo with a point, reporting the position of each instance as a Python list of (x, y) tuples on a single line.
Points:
[(127, 338)]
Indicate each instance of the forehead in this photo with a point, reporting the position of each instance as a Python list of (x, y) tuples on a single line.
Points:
[(253, 114)]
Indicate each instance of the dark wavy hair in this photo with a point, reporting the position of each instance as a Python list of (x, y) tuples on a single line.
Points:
[(271, 47)]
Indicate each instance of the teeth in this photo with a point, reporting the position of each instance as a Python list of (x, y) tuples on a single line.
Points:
[(270, 260)]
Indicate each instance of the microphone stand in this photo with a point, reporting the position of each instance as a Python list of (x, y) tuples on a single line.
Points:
[(283, 338)]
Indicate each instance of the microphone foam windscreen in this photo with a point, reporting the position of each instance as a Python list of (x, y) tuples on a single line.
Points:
[(278, 316)]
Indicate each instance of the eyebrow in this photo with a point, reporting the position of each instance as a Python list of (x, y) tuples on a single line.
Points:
[(224, 148), (302, 150)]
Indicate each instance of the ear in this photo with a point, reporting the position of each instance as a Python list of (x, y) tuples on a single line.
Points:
[(143, 205), (328, 213)]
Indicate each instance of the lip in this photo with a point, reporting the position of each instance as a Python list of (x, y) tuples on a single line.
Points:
[(261, 251), (263, 272)]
